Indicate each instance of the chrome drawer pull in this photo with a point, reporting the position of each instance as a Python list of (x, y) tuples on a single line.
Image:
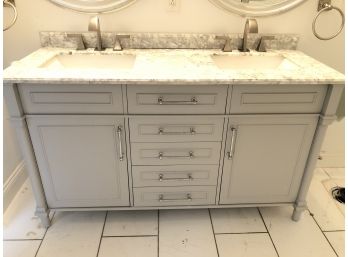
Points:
[(188, 199), (119, 135), (162, 102), (161, 156), (161, 178), (162, 132), (233, 141)]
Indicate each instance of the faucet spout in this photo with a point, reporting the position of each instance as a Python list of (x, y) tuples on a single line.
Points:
[(94, 25), (250, 27)]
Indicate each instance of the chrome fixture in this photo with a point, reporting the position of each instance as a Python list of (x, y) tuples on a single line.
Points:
[(228, 43), (261, 47), (94, 25), (80, 45), (250, 27), (117, 45), (324, 6)]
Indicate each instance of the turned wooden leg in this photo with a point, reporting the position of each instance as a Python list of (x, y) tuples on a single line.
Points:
[(298, 209)]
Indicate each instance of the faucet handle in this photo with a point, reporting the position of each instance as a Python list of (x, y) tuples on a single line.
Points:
[(228, 43), (118, 46), (261, 47), (79, 40)]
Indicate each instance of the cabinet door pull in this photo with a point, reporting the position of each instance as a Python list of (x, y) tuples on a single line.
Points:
[(119, 135), (161, 178), (233, 141), (162, 132), (162, 156), (193, 100), (188, 198)]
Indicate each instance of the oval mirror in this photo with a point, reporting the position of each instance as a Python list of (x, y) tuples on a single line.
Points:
[(256, 8), (94, 6)]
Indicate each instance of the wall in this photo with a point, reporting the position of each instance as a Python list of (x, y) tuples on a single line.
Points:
[(194, 16)]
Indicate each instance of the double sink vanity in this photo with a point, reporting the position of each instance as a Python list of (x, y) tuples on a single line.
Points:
[(187, 127)]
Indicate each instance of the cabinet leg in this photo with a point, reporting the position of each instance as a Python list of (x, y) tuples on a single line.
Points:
[(43, 214), (298, 209)]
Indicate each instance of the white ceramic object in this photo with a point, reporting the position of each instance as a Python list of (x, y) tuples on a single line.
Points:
[(83, 61), (258, 62)]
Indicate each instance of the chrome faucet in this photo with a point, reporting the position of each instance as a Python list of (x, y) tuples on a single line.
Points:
[(250, 27), (94, 25)]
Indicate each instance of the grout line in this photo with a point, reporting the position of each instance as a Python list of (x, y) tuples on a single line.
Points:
[(337, 230), (312, 215), (212, 227), (101, 236), (130, 236), (158, 223), (264, 223), (240, 233), (326, 172), (37, 251)]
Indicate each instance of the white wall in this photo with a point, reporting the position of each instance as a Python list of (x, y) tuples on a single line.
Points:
[(194, 16)]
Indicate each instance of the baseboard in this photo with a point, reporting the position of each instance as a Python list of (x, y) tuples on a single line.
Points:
[(13, 184), (331, 161)]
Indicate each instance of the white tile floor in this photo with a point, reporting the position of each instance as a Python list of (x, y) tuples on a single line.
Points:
[(182, 233)]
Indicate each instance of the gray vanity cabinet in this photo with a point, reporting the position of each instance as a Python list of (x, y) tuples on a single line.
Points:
[(265, 157), (81, 159)]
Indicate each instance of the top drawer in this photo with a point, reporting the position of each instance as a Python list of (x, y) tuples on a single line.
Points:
[(181, 99), (277, 98), (73, 99)]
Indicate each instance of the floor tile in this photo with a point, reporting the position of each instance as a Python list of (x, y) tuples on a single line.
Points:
[(128, 247), (237, 220), (130, 223), (73, 234), (326, 210), (245, 245), (27, 248), (337, 173), (19, 219), (300, 239), (186, 233), (336, 239)]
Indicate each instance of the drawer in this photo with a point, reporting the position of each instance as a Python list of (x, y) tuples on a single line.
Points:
[(73, 99), (178, 99), (176, 175), (175, 153), (277, 98), (169, 196), (175, 129)]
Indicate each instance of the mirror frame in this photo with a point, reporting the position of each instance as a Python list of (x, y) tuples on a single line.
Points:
[(118, 5), (256, 11)]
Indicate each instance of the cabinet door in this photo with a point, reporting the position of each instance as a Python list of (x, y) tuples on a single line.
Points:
[(265, 157), (80, 159)]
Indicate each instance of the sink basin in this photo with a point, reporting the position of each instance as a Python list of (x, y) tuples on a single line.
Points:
[(255, 62), (90, 61)]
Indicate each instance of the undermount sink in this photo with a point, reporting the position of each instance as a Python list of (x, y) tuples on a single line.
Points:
[(90, 61), (255, 62)]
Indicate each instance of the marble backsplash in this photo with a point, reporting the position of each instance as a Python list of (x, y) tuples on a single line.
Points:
[(166, 40)]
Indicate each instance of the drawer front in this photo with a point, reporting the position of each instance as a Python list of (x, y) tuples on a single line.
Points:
[(277, 98), (178, 99), (73, 99), (176, 175), (171, 196), (175, 153), (175, 129)]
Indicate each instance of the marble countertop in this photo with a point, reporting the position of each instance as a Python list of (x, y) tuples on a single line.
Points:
[(157, 66)]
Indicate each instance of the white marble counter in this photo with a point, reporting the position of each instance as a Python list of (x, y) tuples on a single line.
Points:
[(160, 66)]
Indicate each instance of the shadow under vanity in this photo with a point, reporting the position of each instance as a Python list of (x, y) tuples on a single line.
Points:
[(170, 128)]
